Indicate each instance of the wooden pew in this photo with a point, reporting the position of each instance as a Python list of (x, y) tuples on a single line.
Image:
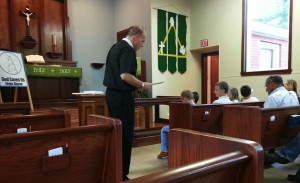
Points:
[(209, 158), (15, 108), (91, 154), (254, 123), (37, 122), (204, 117)]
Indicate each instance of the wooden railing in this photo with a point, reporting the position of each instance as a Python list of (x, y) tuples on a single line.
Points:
[(147, 122)]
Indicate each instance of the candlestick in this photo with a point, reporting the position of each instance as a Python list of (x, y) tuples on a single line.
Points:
[(54, 39), (54, 47)]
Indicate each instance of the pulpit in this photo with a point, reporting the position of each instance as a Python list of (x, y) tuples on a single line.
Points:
[(90, 104)]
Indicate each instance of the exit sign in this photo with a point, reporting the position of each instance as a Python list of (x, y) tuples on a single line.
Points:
[(204, 43)]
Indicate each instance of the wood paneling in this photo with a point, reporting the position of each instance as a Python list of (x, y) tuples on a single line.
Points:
[(4, 30), (53, 25), (50, 18)]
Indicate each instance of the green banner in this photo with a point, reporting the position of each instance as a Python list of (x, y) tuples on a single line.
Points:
[(181, 44), (162, 28), (171, 40), (53, 71)]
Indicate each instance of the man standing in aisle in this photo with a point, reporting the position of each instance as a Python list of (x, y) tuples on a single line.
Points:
[(121, 82)]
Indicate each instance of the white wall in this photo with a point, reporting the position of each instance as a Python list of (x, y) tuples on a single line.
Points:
[(220, 21), (93, 27), (173, 83), (94, 23), (136, 12), (91, 33)]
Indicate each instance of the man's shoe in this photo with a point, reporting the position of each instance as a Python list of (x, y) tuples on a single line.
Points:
[(125, 178), (293, 178), (275, 158), (267, 165), (162, 155)]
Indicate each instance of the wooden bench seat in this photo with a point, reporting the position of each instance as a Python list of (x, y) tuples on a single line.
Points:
[(202, 157), (267, 126), (91, 154)]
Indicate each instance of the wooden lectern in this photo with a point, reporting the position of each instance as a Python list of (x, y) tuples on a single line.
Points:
[(90, 104)]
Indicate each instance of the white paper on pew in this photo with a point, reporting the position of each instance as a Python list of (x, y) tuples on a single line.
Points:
[(206, 113), (55, 152), (272, 118), (22, 130)]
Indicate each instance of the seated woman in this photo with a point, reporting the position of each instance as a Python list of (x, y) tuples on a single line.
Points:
[(187, 97), (291, 86), (233, 95)]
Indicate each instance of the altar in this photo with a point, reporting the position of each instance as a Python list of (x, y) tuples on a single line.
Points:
[(41, 28), (50, 86)]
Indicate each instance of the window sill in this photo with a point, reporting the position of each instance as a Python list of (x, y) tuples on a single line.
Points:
[(274, 72)]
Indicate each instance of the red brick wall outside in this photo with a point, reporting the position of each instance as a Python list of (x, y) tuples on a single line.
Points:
[(283, 46)]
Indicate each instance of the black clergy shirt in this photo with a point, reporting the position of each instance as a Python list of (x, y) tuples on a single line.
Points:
[(121, 59)]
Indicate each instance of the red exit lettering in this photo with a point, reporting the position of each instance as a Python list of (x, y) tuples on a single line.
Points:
[(204, 43)]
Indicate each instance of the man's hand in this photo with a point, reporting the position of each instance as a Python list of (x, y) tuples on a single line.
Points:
[(132, 80), (147, 86)]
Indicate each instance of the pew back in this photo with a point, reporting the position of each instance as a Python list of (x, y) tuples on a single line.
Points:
[(91, 154), (204, 117), (267, 126), (15, 108), (37, 122), (209, 158)]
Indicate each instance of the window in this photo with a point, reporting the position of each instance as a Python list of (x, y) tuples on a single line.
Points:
[(269, 57), (266, 46)]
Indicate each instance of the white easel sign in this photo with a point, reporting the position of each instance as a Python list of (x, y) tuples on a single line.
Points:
[(12, 72)]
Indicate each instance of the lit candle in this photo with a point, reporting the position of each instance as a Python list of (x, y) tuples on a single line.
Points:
[(54, 39)]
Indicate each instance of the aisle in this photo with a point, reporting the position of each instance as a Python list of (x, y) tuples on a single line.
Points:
[(144, 161)]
